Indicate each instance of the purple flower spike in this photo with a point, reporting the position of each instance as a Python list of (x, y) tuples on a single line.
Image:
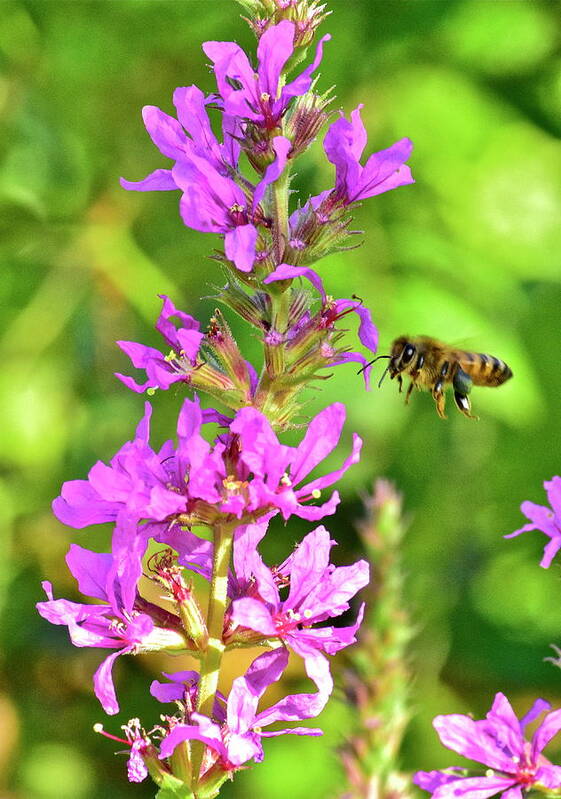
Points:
[(385, 170), (318, 591), (498, 742), (256, 96), (239, 739), (162, 371), (547, 520), (109, 626)]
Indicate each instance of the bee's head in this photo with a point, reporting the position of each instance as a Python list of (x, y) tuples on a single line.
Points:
[(402, 353)]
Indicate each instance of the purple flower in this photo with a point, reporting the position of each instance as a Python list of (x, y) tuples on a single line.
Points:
[(162, 371), (515, 765), (257, 475), (385, 170), (238, 740), (215, 199), (216, 203), (548, 520), (259, 97), (191, 135), (115, 625), (318, 591), (278, 471)]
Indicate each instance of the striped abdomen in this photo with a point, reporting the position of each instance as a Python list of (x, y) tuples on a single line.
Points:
[(484, 370)]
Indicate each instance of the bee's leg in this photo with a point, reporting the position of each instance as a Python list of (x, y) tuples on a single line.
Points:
[(462, 386), (409, 390), (463, 404), (414, 374), (440, 399), (438, 391), (400, 381)]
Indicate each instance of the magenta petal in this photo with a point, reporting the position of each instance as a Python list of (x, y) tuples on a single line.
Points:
[(467, 738), (190, 104), (332, 477), (367, 331), (301, 706), (166, 133), (287, 272), (239, 246), (321, 438), (539, 707), (265, 670), (275, 47), (103, 684), (159, 180), (553, 488), (246, 539), (308, 564), (384, 170), (90, 569), (550, 776), (253, 614), (549, 727), (431, 780), (184, 732), (473, 788), (302, 82), (79, 505), (550, 550)]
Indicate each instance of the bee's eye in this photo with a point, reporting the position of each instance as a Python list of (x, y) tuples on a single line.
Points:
[(407, 354)]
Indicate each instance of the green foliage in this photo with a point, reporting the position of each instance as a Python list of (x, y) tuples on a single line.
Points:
[(469, 254)]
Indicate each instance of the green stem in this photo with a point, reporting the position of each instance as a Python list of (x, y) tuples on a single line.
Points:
[(280, 214), (212, 658)]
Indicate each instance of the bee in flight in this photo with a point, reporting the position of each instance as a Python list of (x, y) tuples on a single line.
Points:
[(432, 365)]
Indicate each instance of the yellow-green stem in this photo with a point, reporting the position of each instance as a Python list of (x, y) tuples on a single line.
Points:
[(212, 658), (280, 214)]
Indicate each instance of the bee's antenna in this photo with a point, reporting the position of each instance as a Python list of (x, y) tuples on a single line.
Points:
[(366, 365)]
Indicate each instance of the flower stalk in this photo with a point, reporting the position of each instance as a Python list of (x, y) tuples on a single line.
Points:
[(377, 678), (234, 481)]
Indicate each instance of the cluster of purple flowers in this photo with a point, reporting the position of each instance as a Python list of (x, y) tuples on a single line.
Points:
[(201, 504)]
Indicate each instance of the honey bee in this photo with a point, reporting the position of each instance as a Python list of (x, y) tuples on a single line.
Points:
[(432, 365)]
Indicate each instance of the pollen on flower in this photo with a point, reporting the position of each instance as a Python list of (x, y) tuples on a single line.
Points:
[(316, 493), (285, 480), (308, 614), (232, 485), (171, 356), (98, 727), (489, 772)]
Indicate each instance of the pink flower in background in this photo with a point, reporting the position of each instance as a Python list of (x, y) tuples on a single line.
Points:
[(498, 741), (547, 520)]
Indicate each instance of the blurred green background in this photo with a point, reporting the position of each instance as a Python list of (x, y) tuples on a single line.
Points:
[(470, 254)]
